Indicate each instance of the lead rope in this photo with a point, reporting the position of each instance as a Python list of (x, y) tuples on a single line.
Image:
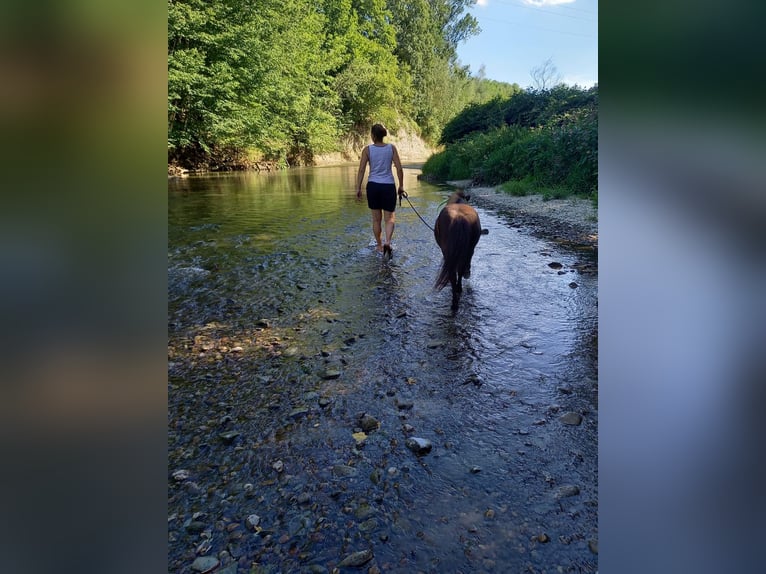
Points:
[(413, 209)]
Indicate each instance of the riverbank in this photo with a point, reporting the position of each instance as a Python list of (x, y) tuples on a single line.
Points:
[(572, 221)]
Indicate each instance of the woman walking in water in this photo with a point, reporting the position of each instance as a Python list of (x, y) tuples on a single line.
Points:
[(381, 189)]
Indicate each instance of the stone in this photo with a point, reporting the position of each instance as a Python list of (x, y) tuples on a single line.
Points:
[(228, 436), (205, 564), (299, 412), (344, 470), (568, 490), (356, 559), (418, 445), (571, 418), (404, 404), (331, 373), (252, 521), (180, 475), (369, 423)]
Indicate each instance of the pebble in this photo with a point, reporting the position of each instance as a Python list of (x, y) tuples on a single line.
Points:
[(571, 418), (357, 559), (279, 466), (331, 373), (181, 475), (418, 445), (228, 436), (252, 521), (369, 423), (404, 404), (568, 490), (205, 564), (593, 546)]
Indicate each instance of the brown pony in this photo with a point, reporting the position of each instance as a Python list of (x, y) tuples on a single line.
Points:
[(457, 232)]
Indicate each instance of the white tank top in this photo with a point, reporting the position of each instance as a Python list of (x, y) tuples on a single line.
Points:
[(380, 163)]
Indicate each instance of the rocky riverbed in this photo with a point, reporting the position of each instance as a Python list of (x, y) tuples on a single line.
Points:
[(327, 414)]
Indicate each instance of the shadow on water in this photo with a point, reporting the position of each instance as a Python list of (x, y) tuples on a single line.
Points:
[(286, 328)]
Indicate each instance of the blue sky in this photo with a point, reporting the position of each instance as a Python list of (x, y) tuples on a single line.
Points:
[(518, 35)]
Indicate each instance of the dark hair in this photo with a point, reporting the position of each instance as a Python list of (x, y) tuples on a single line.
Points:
[(378, 132)]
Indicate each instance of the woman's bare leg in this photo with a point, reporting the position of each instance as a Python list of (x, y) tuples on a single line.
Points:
[(377, 215), (390, 218)]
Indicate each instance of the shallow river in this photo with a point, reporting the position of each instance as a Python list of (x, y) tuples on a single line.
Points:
[(285, 328)]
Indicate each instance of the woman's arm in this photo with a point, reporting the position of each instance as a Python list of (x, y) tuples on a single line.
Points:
[(399, 169), (362, 167)]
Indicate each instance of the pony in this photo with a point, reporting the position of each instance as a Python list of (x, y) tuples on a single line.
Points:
[(457, 231)]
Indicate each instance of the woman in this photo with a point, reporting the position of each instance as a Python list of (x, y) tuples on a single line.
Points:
[(381, 190)]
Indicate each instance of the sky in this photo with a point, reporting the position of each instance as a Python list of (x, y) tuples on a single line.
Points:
[(519, 35)]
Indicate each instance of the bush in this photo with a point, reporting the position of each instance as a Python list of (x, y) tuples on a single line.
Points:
[(558, 158)]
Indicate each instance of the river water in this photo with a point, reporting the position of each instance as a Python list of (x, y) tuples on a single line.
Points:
[(285, 328)]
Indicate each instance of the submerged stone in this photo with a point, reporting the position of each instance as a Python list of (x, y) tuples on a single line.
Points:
[(418, 445)]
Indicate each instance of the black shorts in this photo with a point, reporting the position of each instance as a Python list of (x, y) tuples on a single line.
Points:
[(381, 196)]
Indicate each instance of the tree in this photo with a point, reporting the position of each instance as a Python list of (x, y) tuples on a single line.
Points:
[(546, 75)]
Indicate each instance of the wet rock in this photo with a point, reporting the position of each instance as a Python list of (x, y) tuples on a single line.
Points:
[(475, 469), (418, 445), (571, 418), (194, 526), (205, 564), (181, 474), (543, 538), (473, 380), (252, 521), (330, 373), (343, 470), (435, 344), (304, 498), (404, 404), (568, 490), (230, 569), (573, 285), (593, 545), (364, 511), (263, 323), (228, 436), (555, 265), (324, 402), (376, 476), (279, 466), (368, 525), (299, 412), (369, 423), (406, 427), (566, 389), (356, 559)]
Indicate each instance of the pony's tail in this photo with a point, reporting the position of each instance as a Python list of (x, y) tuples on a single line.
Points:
[(443, 278)]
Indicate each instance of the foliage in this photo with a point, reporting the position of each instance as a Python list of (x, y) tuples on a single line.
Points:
[(552, 145), (287, 78)]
